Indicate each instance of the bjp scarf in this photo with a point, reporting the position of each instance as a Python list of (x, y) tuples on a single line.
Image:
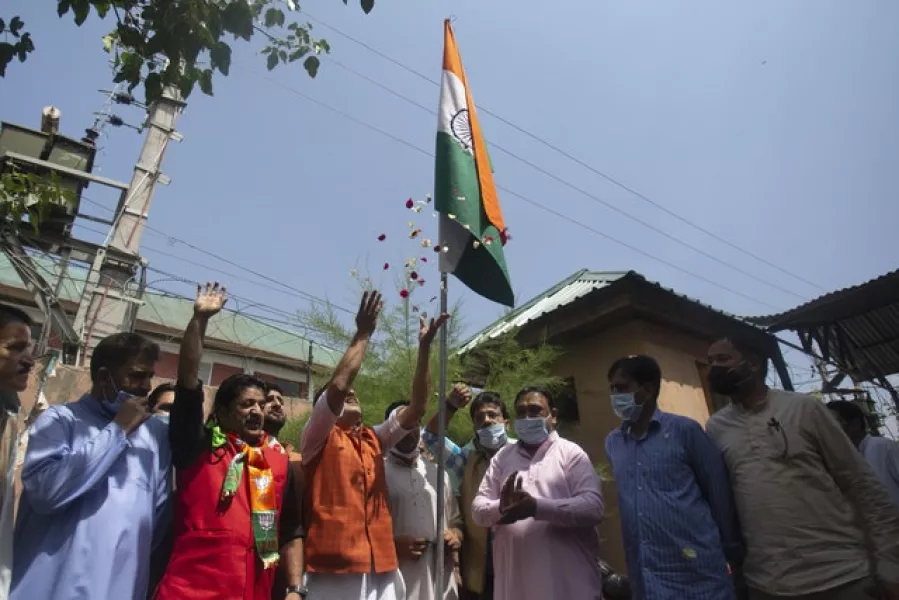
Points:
[(264, 513)]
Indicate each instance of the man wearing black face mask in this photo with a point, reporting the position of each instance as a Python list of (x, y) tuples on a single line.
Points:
[(96, 483), (816, 521)]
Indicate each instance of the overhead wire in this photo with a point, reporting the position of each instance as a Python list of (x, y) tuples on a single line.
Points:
[(614, 181), (586, 193), (522, 197)]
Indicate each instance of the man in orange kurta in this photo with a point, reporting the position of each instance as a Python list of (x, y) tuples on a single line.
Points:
[(350, 552)]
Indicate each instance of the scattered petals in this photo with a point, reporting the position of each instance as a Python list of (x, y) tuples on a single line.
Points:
[(421, 282), (404, 293), (476, 244), (488, 239), (386, 266), (432, 298), (382, 237), (504, 236), (411, 224), (413, 275), (423, 259), (354, 273), (467, 227), (417, 209), (410, 203), (427, 198), (444, 249), (436, 248), (451, 216), (414, 233), (415, 309), (426, 243)]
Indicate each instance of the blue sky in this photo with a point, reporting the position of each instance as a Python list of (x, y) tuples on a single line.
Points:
[(773, 124)]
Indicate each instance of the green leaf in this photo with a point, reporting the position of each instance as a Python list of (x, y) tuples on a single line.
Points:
[(82, 9), (7, 52), (367, 5), (16, 25), (220, 57), (283, 55), (298, 54), (272, 61), (62, 7), (311, 65), (274, 17), (237, 18), (153, 86), (25, 43), (325, 47), (101, 6), (205, 81)]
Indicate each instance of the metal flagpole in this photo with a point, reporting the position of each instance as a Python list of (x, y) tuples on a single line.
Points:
[(441, 440)]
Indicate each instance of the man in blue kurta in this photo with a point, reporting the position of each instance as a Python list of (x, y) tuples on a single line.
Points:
[(96, 484), (677, 510)]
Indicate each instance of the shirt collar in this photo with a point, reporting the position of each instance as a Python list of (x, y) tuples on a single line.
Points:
[(656, 418)]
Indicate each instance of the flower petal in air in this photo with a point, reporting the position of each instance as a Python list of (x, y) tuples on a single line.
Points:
[(386, 266), (426, 243), (413, 275), (404, 293), (410, 203), (382, 237)]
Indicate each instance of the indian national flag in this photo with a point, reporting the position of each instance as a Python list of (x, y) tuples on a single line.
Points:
[(472, 231)]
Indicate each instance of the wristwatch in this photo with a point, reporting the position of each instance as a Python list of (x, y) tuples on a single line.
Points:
[(297, 589)]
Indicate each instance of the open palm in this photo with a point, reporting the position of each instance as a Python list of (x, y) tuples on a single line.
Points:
[(210, 299)]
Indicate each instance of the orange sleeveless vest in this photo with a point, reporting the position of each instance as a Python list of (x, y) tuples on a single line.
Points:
[(346, 508)]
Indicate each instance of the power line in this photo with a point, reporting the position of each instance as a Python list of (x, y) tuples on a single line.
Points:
[(589, 195), (614, 181), (520, 196)]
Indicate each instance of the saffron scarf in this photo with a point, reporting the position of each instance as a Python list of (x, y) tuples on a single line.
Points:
[(263, 510)]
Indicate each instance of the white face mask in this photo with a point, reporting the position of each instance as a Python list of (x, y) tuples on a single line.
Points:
[(626, 407), (493, 436), (164, 417), (532, 431)]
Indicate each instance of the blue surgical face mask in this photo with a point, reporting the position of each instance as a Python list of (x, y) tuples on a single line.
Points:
[(113, 406), (626, 407), (533, 431), (164, 417), (493, 436)]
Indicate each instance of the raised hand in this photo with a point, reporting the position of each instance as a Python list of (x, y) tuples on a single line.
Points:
[(369, 310), (460, 396), (427, 331), (210, 300)]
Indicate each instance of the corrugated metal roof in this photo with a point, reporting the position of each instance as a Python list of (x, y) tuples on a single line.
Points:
[(173, 312), (866, 316), (566, 291)]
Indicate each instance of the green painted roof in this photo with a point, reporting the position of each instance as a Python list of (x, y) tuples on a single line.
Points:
[(174, 312)]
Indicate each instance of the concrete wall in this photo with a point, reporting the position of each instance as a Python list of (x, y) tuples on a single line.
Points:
[(588, 362)]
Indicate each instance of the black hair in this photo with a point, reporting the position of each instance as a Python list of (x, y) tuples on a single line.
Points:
[(394, 406), (273, 387), (114, 351), (488, 397), (231, 388), (536, 389), (848, 411), (11, 314), (750, 346), (156, 394), (639, 368)]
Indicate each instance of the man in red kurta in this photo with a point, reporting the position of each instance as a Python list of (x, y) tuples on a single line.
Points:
[(350, 552), (236, 510)]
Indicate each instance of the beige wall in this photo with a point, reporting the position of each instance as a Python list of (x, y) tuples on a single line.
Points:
[(588, 361)]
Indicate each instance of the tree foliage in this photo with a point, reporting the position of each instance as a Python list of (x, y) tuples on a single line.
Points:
[(184, 43), (28, 195)]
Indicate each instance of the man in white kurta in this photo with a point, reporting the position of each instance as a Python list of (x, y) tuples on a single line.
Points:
[(412, 488)]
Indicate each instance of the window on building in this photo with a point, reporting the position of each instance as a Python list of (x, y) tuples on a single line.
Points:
[(292, 389), (714, 401), (566, 401)]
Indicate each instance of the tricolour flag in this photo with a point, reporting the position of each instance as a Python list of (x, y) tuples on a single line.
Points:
[(472, 231)]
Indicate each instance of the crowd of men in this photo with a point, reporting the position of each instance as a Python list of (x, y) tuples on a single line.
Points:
[(129, 493)]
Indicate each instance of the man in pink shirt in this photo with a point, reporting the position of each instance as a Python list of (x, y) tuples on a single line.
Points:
[(542, 498)]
